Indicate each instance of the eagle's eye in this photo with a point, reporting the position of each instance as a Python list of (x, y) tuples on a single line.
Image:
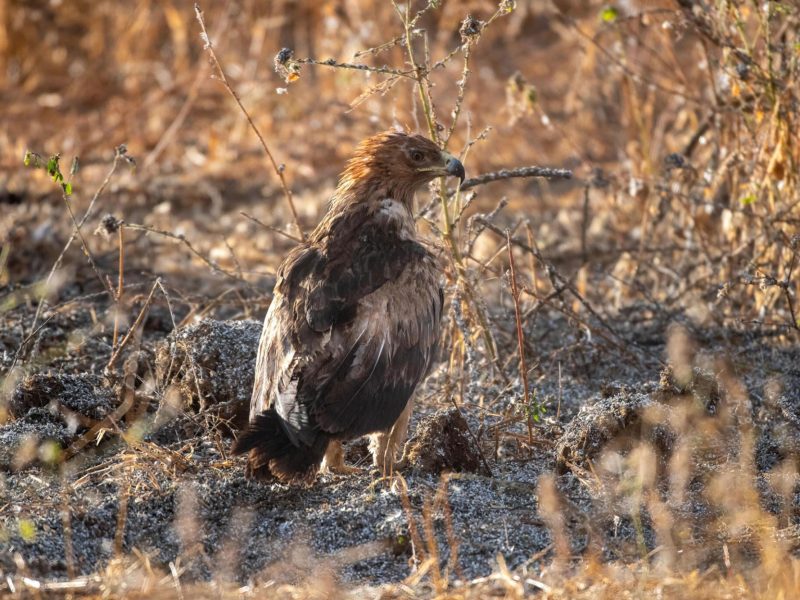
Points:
[(417, 156)]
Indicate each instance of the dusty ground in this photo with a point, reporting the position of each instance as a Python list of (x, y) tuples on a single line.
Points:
[(184, 497)]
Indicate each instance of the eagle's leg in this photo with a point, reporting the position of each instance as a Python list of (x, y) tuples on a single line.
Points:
[(386, 444), (334, 460)]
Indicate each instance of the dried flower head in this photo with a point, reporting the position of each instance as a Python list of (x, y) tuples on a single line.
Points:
[(109, 225), (285, 66), (507, 6), (470, 29), (676, 161), (282, 57)]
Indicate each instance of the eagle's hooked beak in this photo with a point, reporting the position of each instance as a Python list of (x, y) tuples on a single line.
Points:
[(453, 166)]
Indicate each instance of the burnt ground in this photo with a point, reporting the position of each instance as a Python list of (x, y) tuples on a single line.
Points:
[(185, 501)]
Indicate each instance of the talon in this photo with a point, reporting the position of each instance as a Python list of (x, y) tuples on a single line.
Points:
[(343, 469)]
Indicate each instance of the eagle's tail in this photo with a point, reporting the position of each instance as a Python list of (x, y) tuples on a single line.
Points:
[(273, 453)]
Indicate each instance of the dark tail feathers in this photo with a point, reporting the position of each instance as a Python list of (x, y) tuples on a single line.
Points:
[(273, 453)]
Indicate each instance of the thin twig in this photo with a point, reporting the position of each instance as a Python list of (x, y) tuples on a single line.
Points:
[(85, 247), (179, 119), (520, 336), (122, 517), (133, 328), (462, 87), (399, 40), (418, 550), (272, 228), (118, 154), (181, 238), (585, 225), (354, 66), (66, 524), (557, 280), (120, 284), (278, 169)]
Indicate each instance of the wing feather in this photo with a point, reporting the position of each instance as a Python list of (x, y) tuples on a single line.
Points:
[(399, 350), (352, 329)]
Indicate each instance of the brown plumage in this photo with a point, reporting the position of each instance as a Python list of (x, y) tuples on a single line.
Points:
[(354, 320)]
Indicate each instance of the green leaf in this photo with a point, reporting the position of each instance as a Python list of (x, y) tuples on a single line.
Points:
[(507, 6), (67, 187), (531, 94), (609, 14), (27, 159), (749, 199), (52, 166)]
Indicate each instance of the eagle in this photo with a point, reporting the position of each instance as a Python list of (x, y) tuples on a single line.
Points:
[(354, 321)]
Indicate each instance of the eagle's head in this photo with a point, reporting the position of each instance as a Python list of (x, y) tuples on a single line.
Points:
[(396, 164)]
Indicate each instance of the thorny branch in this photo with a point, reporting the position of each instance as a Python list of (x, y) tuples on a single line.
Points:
[(534, 171)]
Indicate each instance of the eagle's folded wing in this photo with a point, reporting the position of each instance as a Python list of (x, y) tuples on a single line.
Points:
[(372, 373), (348, 339)]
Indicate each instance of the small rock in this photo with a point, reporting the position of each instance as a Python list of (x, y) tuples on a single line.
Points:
[(212, 363), (443, 443), (84, 394)]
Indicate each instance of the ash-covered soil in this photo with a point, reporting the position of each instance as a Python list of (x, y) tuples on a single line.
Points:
[(169, 489)]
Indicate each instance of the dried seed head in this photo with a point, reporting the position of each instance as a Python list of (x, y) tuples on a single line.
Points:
[(517, 82), (108, 226), (470, 29), (599, 179), (507, 6), (285, 66), (282, 57), (676, 161), (743, 71)]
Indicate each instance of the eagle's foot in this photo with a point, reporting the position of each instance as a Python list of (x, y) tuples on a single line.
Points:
[(341, 469), (334, 461)]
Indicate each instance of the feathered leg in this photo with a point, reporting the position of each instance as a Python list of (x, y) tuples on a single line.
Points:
[(334, 460), (386, 444)]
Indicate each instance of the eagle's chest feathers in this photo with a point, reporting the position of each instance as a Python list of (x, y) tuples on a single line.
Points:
[(402, 310), (395, 215)]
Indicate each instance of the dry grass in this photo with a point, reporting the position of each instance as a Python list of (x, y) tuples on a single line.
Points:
[(679, 124)]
